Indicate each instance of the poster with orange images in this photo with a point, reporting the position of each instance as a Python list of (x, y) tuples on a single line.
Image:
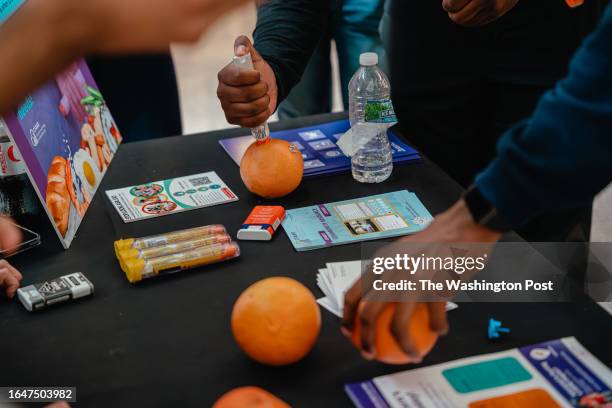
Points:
[(67, 138)]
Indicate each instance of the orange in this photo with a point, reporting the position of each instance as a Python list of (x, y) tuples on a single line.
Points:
[(249, 397), (272, 168), (276, 321), (574, 3), (387, 349)]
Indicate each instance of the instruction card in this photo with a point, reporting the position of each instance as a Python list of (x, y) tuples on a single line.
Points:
[(170, 196), (374, 217), (558, 373)]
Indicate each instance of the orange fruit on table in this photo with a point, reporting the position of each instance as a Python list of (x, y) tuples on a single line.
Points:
[(276, 321), (272, 168), (249, 397), (386, 348)]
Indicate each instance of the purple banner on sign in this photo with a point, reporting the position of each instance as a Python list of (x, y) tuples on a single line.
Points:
[(325, 237), (324, 210)]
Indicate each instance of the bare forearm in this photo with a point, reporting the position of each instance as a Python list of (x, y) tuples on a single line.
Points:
[(40, 40), (44, 36)]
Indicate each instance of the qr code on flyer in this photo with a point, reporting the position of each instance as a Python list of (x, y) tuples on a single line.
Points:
[(200, 181)]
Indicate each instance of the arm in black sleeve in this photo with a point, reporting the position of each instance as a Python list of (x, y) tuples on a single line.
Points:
[(287, 34)]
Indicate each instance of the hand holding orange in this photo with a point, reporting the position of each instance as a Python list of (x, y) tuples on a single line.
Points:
[(386, 348)]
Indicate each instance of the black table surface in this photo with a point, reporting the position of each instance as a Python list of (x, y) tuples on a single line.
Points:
[(167, 342)]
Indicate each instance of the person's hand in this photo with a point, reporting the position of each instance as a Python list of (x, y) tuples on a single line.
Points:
[(10, 278), (453, 226), (248, 97), (10, 238), (10, 235), (473, 13)]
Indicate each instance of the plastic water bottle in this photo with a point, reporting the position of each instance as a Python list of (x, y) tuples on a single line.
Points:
[(370, 102)]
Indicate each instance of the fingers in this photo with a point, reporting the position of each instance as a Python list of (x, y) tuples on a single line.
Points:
[(367, 320), (10, 235), (247, 106), (481, 12), (246, 110), (469, 14), (10, 278), (453, 6), (5, 265), (250, 121), (400, 332), (231, 75), (242, 45), (244, 96), (351, 304), (437, 317)]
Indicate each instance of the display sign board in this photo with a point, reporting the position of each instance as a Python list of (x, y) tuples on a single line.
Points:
[(67, 138)]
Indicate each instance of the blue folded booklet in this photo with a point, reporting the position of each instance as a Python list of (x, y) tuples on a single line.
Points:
[(361, 219), (318, 146)]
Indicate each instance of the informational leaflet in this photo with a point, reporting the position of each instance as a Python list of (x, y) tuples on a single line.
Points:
[(374, 217), (170, 196), (558, 373)]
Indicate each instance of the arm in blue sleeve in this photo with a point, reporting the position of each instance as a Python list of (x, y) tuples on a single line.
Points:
[(562, 156), (286, 36)]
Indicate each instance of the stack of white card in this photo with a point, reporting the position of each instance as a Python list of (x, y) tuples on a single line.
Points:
[(337, 278)]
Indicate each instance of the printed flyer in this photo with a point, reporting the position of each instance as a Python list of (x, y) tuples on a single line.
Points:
[(170, 196), (67, 138), (554, 374), (374, 217)]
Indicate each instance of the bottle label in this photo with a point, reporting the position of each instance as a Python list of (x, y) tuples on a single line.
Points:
[(379, 111), (261, 133), (11, 163)]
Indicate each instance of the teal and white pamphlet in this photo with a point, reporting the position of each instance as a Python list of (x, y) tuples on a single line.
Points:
[(170, 196), (361, 219)]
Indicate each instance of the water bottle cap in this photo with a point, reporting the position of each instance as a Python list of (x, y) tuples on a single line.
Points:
[(368, 59)]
